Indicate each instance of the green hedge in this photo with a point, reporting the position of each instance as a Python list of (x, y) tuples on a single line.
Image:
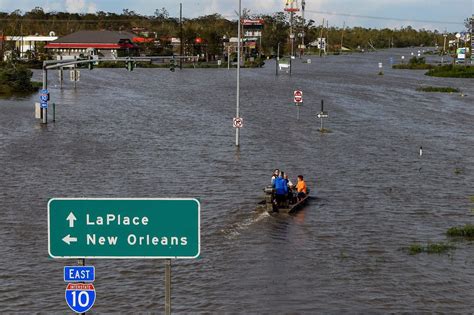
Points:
[(15, 79), (450, 71)]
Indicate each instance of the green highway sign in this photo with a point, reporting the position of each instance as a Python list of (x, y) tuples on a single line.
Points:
[(124, 228)]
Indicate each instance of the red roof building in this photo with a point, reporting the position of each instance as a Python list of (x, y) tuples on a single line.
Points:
[(105, 43)]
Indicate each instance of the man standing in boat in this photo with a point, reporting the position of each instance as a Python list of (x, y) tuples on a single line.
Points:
[(301, 188)]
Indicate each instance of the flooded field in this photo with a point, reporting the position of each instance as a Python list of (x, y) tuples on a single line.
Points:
[(155, 133)]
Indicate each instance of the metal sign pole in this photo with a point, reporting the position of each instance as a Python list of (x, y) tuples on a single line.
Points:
[(297, 112), (82, 262), (277, 59), (237, 130), (44, 111), (168, 286), (75, 76)]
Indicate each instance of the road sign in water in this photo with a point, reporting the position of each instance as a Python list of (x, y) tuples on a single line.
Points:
[(79, 273), (80, 296), (44, 105), (123, 228)]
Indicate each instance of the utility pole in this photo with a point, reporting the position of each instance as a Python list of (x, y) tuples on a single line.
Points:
[(303, 4), (292, 36), (292, 9), (321, 39), (237, 135), (342, 35), (181, 36), (327, 38)]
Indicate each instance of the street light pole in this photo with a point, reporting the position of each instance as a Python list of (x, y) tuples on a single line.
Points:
[(237, 135)]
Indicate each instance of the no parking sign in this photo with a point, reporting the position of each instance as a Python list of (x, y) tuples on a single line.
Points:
[(80, 296)]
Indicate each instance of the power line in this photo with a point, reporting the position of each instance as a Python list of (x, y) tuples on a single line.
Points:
[(384, 18)]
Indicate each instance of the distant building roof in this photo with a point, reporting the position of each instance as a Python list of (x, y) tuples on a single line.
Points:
[(95, 39)]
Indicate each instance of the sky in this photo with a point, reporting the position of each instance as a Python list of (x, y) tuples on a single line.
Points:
[(429, 14)]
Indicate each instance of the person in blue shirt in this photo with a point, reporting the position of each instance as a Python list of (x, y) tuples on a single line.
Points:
[(281, 189)]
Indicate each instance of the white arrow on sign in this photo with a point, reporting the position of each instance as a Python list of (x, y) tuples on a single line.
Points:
[(71, 218), (68, 239)]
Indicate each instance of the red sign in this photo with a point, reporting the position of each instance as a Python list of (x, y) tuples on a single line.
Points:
[(198, 40), (238, 122), (298, 95)]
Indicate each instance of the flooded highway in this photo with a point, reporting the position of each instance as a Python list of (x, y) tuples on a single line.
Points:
[(156, 133)]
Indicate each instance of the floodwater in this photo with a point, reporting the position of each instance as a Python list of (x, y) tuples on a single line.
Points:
[(154, 133)]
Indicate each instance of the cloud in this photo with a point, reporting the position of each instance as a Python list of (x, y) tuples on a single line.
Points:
[(80, 6)]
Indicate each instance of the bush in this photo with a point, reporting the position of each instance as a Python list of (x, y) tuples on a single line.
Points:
[(466, 231), (438, 89), (430, 248), (415, 63), (451, 71), (15, 79)]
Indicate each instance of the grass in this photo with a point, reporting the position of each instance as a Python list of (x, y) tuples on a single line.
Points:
[(450, 71), (324, 130), (466, 231), (430, 248), (438, 89), (381, 73), (37, 84)]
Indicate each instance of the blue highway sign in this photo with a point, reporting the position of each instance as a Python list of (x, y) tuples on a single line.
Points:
[(79, 273), (43, 91), (80, 296), (44, 97), (44, 105)]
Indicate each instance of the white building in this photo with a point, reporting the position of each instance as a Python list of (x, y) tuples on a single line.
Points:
[(25, 44)]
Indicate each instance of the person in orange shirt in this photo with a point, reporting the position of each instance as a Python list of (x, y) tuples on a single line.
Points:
[(301, 188)]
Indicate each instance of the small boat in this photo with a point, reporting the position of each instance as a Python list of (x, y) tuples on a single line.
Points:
[(269, 204)]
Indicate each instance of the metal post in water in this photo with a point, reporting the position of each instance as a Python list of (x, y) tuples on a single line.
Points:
[(168, 286), (61, 77), (277, 59), (237, 135), (44, 111), (297, 112), (75, 76), (322, 110), (181, 36), (54, 112), (291, 65)]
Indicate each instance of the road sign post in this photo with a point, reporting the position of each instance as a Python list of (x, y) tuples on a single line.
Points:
[(123, 228), (322, 114), (298, 99)]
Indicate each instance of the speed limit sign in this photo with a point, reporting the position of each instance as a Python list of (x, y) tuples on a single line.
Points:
[(238, 122)]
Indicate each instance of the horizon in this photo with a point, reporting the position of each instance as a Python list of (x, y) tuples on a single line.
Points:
[(444, 16)]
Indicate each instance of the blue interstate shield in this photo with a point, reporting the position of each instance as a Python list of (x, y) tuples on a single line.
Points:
[(80, 296)]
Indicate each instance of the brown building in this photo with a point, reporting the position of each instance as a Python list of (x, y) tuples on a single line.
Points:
[(102, 43)]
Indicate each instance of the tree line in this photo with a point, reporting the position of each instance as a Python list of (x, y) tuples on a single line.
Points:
[(212, 29)]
